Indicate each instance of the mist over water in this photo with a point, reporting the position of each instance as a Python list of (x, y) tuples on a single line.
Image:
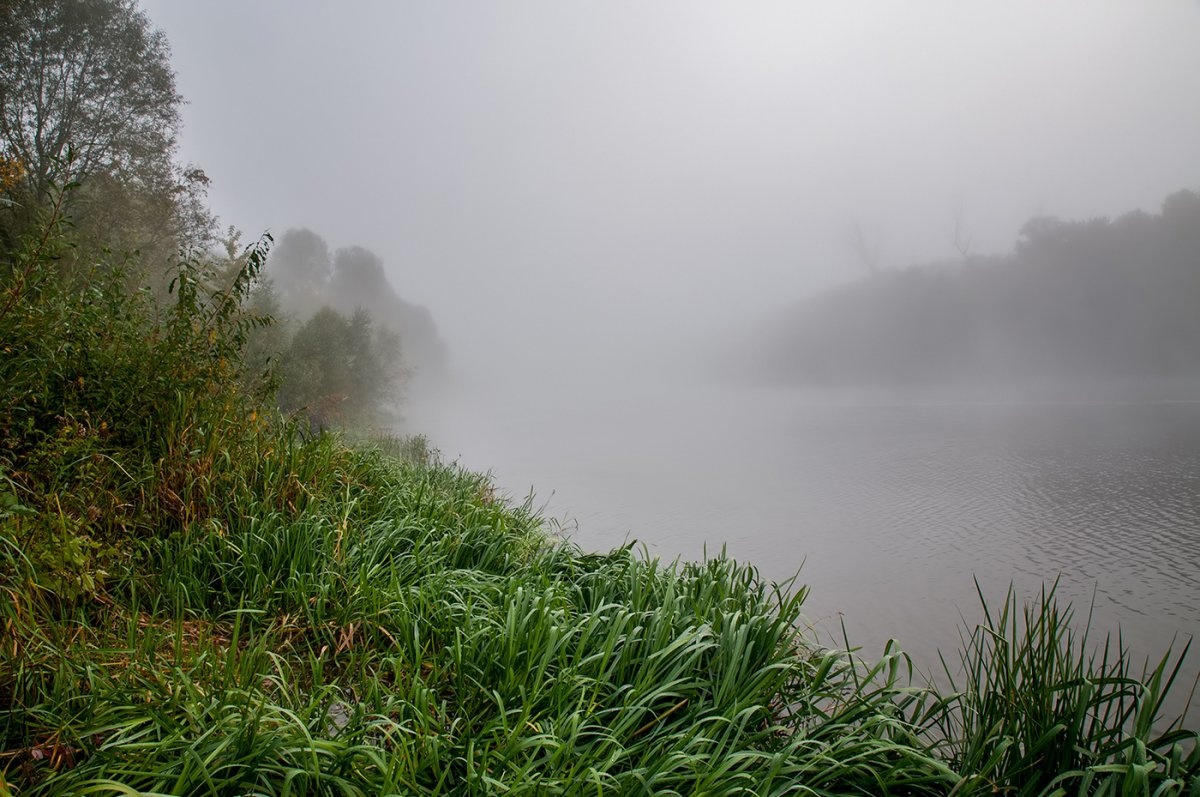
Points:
[(667, 250), (574, 182)]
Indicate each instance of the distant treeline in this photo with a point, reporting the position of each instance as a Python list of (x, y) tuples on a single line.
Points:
[(343, 343), (1095, 299)]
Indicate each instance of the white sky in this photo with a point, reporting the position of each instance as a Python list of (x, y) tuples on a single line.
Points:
[(584, 182)]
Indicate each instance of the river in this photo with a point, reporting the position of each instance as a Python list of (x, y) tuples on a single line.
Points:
[(889, 505)]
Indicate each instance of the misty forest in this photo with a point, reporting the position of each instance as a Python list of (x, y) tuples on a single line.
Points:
[(692, 398), (1075, 300)]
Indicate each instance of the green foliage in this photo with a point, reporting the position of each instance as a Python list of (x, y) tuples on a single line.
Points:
[(93, 73), (415, 449), (1040, 711), (307, 278), (428, 640), (93, 78), (112, 409), (339, 371)]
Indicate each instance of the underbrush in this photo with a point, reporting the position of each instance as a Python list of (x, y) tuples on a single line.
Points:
[(198, 597)]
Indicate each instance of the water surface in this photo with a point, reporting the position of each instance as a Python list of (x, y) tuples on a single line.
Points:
[(889, 505)]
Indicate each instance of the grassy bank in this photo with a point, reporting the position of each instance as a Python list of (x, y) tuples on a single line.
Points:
[(198, 597)]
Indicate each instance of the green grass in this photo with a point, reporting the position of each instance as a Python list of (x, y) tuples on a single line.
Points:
[(1036, 708), (196, 598), (414, 636)]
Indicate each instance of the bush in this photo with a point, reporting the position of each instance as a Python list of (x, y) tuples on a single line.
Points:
[(119, 418)]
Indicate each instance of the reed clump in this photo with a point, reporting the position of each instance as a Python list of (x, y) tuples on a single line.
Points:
[(199, 598)]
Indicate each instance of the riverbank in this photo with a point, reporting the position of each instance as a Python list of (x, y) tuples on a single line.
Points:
[(200, 597), (406, 633), (888, 504)]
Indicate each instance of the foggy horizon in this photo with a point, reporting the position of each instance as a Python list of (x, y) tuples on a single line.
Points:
[(575, 187)]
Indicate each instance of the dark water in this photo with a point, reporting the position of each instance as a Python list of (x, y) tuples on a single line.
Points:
[(889, 506)]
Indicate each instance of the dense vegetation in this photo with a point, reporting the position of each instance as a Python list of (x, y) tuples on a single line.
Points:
[(1093, 300), (88, 100), (200, 595)]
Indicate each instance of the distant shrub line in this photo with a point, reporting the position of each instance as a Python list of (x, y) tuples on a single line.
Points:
[(1074, 300)]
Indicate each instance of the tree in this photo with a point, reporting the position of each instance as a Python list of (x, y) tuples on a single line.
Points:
[(92, 79), (960, 240), (306, 277), (866, 251), (340, 371), (300, 268), (87, 74), (359, 281)]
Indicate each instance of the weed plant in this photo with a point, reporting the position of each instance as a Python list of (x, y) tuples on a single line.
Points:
[(196, 598)]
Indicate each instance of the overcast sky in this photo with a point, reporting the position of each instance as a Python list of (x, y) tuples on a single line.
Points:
[(562, 181)]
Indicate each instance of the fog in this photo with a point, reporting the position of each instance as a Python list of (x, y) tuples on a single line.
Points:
[(578, 187), (604, 205)]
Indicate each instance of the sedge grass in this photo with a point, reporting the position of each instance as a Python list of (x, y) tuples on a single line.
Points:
[(407, 634), (1036, 708), (200, 598), (411, 634)]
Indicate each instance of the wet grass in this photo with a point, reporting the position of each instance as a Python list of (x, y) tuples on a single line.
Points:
[(1034, 707), (413, 635), (409, 634), (196, 598)]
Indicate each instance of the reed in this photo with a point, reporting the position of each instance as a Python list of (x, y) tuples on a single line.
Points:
[(1037, 707)]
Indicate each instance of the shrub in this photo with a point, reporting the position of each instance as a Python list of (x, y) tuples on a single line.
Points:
[(119, 418)]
